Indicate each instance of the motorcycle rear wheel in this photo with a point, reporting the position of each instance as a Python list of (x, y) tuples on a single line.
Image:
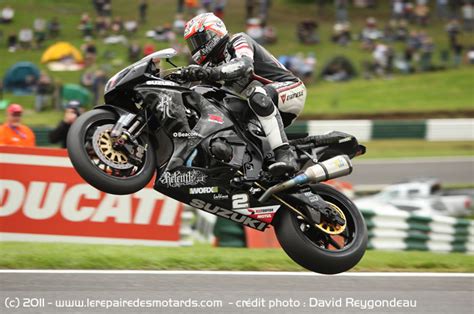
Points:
[(117, 176), (307, 246)]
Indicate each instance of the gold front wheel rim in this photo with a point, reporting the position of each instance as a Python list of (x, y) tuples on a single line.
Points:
[(112, 155)]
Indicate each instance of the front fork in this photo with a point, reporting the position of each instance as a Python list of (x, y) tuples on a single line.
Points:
[(125, 138)]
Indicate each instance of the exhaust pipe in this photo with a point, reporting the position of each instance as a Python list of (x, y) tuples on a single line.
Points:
[(332, 168)]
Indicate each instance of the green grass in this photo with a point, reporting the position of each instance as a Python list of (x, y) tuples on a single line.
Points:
[(416, 148), (446, 91), (422, 92), (18, 255)]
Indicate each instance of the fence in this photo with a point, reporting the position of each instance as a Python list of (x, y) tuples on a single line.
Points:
[(399, 230), (392, 230), (365, 130)]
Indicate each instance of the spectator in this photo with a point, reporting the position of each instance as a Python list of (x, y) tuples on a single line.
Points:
[(264, 9), (130, 27), (99, 6), (341, 7), (134, 51), (117, 25), (180, 7), (269, 35), (380, 56), (87, 29), (44, 90), (398, 9), (207, 5), (408, 12), (142, 10), (25, 38), (468, 16), (100, 26), (457, 51), (39, 27), (12, 42), (427, 49), (54, 28), (470, 55), (421, 13), (255, 30), (453, 28), (341, 33), (7, 15), (107, 8), (12, 132), (219, 8), (442, 9), (306, 32), (100, 79), (191, 7), (179, 23), (370, 33), (148, 49), (250, 7), (59, 134), (90, 53)]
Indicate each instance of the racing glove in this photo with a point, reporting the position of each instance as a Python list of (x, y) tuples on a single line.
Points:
[(194, 73)]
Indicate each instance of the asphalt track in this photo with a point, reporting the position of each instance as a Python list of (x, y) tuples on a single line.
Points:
[(450, 170), (259, 292)]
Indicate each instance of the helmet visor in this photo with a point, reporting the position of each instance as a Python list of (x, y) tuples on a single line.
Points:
[(198, 40)]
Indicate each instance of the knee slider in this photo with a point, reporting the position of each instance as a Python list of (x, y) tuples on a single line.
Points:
[(260, 103)]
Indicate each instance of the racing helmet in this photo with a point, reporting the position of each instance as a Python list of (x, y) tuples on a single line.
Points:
[(205, 35)]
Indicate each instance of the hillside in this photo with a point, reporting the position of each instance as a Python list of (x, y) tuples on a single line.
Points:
[(424, 93)]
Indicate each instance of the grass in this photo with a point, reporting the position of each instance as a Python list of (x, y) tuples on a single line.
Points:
[(21, 255), (446, 91), (421, 92), (417, 148)]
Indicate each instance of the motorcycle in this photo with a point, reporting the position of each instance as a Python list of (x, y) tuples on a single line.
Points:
[(209, 151)]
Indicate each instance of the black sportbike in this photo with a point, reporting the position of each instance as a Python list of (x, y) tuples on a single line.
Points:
[(209, 151)]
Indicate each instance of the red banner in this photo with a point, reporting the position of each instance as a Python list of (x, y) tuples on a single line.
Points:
[(42, 198)]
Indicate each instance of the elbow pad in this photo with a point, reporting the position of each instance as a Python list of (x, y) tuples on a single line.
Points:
[(232, 70)]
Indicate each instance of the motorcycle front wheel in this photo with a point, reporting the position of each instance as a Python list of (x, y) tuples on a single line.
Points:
[(92, 154), (317, 250)]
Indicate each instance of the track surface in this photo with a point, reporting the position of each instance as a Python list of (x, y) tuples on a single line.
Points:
[(450, 170), (433, 293)]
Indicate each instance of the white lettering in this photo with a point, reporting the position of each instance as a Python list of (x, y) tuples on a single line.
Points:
[(114, 206), (13, 192), (70, 206), (36, 192), (147, 200)]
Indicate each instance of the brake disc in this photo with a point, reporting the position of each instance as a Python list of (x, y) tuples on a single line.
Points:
[(103, 148), (331, 228)]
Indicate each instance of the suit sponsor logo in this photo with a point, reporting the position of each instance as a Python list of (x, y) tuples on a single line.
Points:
[(215, 119), (294, 95)]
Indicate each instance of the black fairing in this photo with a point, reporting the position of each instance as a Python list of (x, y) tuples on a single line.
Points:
[(210, 145)]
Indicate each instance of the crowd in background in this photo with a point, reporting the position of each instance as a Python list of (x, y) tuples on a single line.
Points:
[(401, 44)]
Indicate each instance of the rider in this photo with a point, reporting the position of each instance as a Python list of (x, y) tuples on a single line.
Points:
[(275, 95)]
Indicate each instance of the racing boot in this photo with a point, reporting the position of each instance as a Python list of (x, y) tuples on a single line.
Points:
[(285, 162)]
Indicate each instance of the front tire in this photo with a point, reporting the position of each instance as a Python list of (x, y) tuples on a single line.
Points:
[(105, 177), (310, 254)]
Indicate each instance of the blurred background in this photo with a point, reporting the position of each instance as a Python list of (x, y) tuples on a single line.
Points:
[(396, 74)]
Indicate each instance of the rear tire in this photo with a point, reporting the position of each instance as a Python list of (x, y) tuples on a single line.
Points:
[(81, 160), (307, 253)]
